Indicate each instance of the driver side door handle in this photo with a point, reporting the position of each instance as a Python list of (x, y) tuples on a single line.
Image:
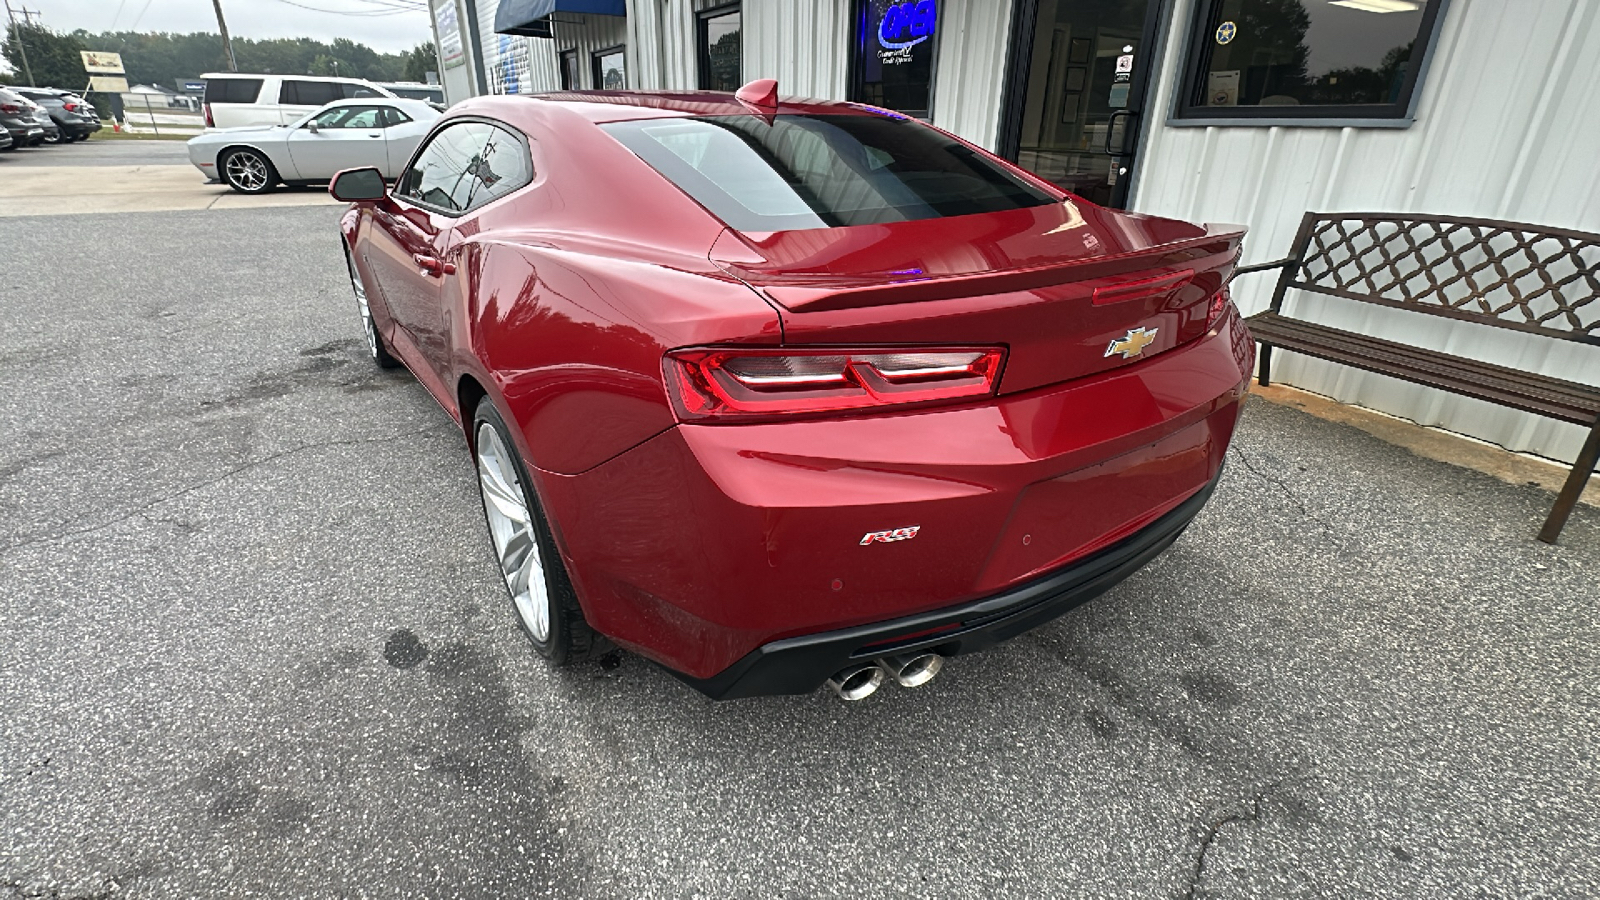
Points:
[(433, 266)]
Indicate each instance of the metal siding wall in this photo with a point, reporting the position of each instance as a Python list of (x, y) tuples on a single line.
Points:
[(665, 31), (590, 33), (802, 43), (970, 78), (1508, 127)]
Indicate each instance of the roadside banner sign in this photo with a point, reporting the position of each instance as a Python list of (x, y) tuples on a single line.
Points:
[(97, 63), (110, 84)]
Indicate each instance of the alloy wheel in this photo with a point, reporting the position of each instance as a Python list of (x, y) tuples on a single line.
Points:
[(511, 528), (360, 288), (247, 171)]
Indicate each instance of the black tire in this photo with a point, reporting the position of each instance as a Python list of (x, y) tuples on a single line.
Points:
[(60, 138), (376, 348), (254, 175), (571, 640)]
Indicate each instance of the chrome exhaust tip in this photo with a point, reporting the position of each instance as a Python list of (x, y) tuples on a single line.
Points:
[(856, 682), (912, 669)]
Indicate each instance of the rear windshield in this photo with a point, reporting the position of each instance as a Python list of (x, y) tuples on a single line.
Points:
[(822, 171), (232, 90)]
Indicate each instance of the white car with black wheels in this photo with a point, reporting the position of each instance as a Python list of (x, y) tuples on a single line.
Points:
[(346, 134)]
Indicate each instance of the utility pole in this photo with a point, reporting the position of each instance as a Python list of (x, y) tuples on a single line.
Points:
[(17, 32), (227, 42)]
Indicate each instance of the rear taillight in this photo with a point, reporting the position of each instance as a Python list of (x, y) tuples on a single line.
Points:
[(70, 107), (1219, 305), (10, 109), (741, 384), (210, 123)]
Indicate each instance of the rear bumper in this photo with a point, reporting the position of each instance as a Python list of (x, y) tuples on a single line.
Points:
[(800, 665)]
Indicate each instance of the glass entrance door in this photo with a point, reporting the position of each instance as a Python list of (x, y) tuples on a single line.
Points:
[(1084, 70)]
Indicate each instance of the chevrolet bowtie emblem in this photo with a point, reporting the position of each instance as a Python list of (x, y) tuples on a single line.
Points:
[(1133, 343)]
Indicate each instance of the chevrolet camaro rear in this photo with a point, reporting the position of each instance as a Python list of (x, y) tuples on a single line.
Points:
[(779, 394)]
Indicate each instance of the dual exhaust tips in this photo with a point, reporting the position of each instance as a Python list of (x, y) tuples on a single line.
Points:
[(860, 681)]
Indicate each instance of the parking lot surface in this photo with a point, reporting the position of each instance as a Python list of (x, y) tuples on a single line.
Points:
[(99, 151), (256, 645)]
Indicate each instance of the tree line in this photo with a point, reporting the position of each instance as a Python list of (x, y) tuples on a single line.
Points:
[(162, 58)]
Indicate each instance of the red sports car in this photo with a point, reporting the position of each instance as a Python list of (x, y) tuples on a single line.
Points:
[(778, 393)]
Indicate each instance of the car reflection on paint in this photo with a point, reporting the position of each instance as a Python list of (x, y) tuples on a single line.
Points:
[(785, 393)]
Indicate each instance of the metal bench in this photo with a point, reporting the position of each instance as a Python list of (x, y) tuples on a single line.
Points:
[(1509, 275)]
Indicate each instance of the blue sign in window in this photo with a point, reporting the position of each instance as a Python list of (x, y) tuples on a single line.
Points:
[(895, 42)]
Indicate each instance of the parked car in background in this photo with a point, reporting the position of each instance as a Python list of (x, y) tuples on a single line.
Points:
[(17, 118), (52, 131), (72, 114), (379, 132), (234, 100), (784, 393), (432, 94), (5, 140)]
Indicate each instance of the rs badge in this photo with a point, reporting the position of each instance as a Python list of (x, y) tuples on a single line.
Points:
[(1133, 343), (889, 537)]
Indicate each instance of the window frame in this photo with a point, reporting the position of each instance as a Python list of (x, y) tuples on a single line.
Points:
[(702, 31), (422, 146), (1400, 114), (594, 65)]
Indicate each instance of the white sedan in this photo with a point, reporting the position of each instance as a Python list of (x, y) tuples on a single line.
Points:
[(345, 134)]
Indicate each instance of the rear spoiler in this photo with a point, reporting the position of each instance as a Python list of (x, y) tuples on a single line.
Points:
[(1220, 246)]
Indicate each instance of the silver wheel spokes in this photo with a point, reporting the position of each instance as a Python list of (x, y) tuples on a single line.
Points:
[(247, 171), (511, 529), (366, 310)]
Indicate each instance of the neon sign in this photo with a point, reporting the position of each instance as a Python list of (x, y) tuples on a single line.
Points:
[(907, 20)]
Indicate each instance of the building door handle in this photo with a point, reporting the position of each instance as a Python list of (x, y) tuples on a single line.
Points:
[(433, 266), (1111, 128)]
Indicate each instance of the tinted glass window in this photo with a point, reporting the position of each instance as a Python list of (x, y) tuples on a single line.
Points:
[(822, 171), (233, 90), (465, 166), (356, 90), (1295, 53), (569, 70), (392, 116), (720, 35), (309, 93)]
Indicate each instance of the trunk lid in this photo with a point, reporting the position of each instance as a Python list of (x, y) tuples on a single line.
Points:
[(1057, 284)]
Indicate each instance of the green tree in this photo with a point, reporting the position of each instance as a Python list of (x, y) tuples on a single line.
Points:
[(424, 58), (52, 58)]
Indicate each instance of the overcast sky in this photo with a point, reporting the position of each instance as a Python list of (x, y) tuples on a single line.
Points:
[(385, 25)]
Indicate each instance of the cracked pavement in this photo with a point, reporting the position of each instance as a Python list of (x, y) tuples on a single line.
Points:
[(255, 645)]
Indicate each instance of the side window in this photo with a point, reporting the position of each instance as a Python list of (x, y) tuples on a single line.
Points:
[(503, 167), (350, 117), (308, 93), (233, 90), (465, 166), (393, 117), (357, 90)]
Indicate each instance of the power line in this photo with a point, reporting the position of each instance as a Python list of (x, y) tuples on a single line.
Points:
[(139, 16), (360, 13), (118, 15)]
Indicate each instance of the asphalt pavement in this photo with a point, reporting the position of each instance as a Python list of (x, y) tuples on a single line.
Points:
[(255, 645), (98, 151)]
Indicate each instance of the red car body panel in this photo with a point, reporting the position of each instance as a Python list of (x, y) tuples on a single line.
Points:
[(695, 544)]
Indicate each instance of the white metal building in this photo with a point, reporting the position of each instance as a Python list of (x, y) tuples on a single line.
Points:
[(1249, 111)]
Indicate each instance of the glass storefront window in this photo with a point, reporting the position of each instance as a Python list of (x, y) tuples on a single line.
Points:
[(895, 42), (720, 50), (610, 73), (1307, 58)]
